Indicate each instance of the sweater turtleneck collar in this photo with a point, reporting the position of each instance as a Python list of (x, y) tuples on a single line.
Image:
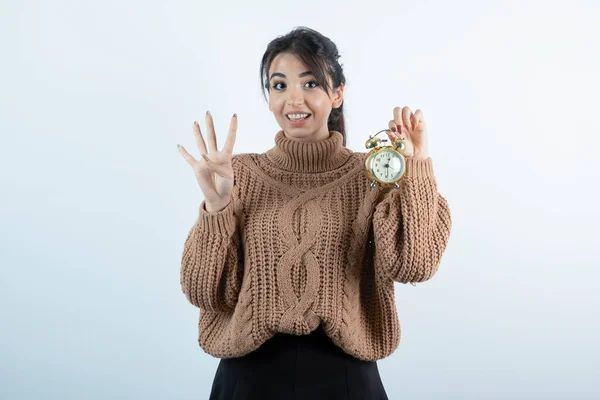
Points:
[(320, 156)]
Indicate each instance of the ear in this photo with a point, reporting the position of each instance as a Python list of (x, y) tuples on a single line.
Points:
[(338, 96)]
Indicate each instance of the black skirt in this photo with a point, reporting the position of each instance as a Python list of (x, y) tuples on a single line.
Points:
[(291, 367)]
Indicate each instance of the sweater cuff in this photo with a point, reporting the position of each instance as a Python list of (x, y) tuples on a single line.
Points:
[(219, 222), (416, 168)]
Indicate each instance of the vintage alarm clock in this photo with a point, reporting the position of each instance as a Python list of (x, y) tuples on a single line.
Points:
[(385, 165)]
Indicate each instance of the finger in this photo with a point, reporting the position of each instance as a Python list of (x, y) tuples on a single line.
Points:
[(191, 160), (199, 139), (398, 119), (406, 117), (419, 120), (409, 147), (395, 133), (212, 137), (220, 170), (228, 146)]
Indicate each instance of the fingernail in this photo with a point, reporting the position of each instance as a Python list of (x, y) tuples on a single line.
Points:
[(234, 115), (393, 129), (178, 145), (195, 122), (207, 112)]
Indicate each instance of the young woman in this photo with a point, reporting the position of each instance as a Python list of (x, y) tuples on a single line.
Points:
[(293, 258)]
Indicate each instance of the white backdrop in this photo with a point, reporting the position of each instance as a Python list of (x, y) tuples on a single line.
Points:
[(96, 200)]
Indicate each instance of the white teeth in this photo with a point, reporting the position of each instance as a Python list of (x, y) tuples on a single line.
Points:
[(297, 116)]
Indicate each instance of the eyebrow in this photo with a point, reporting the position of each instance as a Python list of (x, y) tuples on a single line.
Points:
[(305, 73)]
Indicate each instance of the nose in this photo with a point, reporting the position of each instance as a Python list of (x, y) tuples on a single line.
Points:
[(295, 96)]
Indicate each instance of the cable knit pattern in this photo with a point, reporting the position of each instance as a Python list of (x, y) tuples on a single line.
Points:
[(304, 241)]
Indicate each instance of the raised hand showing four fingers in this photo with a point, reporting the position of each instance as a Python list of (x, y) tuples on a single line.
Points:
[(215, 171)]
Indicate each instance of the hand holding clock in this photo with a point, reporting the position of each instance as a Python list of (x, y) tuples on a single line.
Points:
[(412, 128)]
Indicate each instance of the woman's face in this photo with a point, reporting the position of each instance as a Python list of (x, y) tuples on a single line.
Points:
[(293, 88)]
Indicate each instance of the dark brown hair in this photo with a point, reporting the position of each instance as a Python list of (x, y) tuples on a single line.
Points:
[(320, 54)]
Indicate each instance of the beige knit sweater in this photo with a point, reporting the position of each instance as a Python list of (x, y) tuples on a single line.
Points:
[(305, 240)]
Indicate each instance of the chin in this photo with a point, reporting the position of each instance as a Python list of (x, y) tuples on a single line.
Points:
[(300, 134)]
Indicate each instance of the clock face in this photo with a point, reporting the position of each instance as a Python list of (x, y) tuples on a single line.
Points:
[(387, 165)]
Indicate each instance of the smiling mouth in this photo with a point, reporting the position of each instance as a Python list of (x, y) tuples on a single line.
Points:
[(301, 119)]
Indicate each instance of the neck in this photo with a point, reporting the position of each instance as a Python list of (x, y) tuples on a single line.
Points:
[(312, 156)]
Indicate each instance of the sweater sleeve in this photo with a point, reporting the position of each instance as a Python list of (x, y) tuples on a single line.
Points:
[(411, 226), (211, 266)]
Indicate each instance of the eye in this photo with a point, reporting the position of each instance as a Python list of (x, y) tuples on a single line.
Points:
[(275, 86)]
